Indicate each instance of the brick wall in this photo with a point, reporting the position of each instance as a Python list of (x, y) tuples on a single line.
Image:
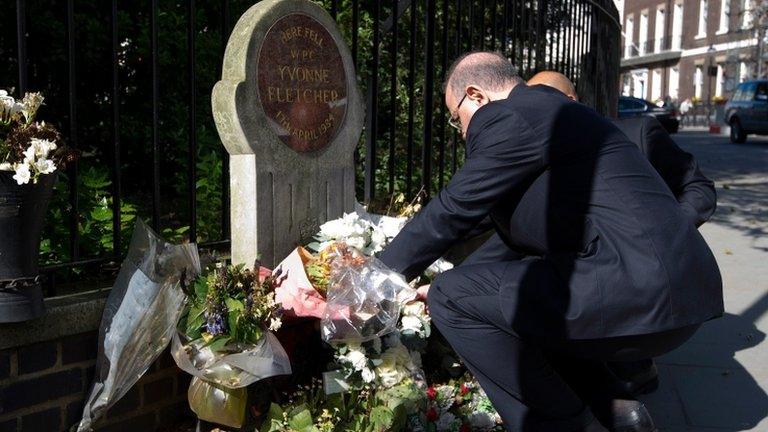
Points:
[(43, 387)]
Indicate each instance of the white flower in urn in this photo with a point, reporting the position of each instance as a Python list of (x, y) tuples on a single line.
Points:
[(42, 147), (22, 175), (45, 166)]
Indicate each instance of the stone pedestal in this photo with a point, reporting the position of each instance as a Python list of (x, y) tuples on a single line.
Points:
[(290, 114)]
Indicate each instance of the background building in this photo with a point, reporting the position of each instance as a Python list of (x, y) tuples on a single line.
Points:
[(690, 49)]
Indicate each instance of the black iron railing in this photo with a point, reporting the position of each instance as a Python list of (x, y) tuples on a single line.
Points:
[(136, 101)]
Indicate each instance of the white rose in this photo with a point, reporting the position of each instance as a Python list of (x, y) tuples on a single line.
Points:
[(411, 323), (22, 175), (357, 358), (368, 375)]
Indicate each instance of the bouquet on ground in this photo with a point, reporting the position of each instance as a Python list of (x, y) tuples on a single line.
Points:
[(225, 339), (312, 410), (302, 294), (371, 232), (460, 406), (29, 148)]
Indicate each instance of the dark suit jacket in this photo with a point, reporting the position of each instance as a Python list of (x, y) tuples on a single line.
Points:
[(630, 257), (677, 168)]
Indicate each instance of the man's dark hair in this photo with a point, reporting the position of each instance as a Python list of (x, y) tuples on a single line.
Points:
[(488, 69)]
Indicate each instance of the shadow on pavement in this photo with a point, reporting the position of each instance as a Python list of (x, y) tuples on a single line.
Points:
[(703, 385)]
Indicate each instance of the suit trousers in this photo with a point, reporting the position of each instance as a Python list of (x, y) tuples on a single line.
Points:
[(536, 383)]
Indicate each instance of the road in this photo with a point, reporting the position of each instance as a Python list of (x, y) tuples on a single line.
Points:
[(718, 381)]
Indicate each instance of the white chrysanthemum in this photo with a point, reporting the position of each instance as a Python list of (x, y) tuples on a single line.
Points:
[(6, 166), (347, 226), (23, 175), (356, 242), (45, 166)]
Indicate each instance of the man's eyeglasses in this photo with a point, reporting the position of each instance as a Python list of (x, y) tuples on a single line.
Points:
[(454, 120)]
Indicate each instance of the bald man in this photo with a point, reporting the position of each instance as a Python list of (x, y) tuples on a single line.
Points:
[(615, 269), (679, 170), (555, 80)]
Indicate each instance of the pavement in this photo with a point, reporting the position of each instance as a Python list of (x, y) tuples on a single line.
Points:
[(718, 380)]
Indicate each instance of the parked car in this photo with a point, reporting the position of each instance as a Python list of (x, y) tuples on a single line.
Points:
[(747, 110), (633, 107)]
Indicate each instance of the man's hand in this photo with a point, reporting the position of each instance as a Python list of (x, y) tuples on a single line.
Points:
[(421, 292)]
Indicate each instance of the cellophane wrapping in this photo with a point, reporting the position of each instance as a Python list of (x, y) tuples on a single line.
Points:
[(364, 297), (139, 317)]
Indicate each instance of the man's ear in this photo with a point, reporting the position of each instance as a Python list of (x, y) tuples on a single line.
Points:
[(477, 95)]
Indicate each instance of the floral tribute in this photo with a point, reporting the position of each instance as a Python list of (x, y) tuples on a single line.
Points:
[(29, 148), (382, 368)]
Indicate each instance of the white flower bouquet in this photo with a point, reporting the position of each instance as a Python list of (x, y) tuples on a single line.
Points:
[(29, 148)]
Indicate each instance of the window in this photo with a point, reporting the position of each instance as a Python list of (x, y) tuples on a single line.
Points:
[(658, 34), (725, 11), (746, 14), (739, 93), (703, 11), (720, 81), (656, 85), (698, 81), (674, 82), (643, 36), (762, 92), (677, 26), (630, 105), (743, 72), (629, 32), (749, 91)]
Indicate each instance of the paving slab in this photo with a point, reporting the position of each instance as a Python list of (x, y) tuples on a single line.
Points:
[(718, 381)]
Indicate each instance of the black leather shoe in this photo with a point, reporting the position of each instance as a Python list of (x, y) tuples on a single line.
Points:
[(635, 378), (625, 415)]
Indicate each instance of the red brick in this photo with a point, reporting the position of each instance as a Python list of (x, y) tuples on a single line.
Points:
[(29, 392), (37, 357)]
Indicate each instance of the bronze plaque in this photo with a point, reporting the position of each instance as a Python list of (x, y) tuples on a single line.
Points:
[(302, 84)]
